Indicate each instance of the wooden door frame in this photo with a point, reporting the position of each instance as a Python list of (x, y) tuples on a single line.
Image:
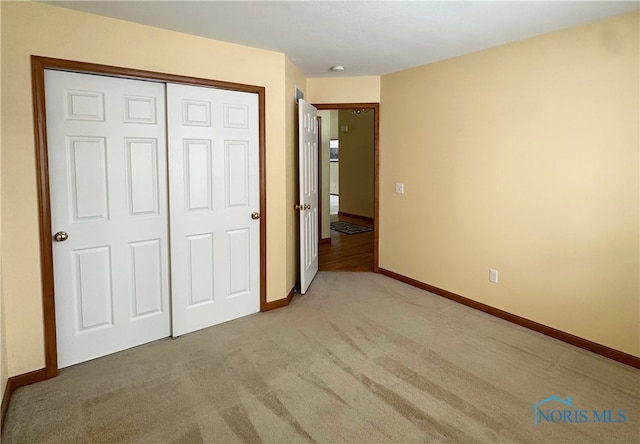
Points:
[(376, 167), (38, 67)]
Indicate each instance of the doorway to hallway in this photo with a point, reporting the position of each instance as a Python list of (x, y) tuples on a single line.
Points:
[(349, 186)]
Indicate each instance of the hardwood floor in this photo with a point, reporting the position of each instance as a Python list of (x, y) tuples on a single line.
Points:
[(347, 252)]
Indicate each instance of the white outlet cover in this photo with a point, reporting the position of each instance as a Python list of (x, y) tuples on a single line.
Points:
[(493, 275), (399, 188)]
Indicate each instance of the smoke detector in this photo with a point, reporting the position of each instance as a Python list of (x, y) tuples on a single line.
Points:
[(337, 68)]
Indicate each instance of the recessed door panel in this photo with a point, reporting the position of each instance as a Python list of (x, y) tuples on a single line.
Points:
[(196, 113), (139, 109), (93, 288), (236, 116), (89, 180), (84, 105), (142, 169), (239, 243), (237, 173), (201, 270), (146, 273), (197, 166)]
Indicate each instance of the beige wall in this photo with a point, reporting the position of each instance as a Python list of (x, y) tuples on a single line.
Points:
[(35, 28), (356, 163), (293, 78), (4, 367), (3, 336), (334, 132), (523, 158), (344, 90)]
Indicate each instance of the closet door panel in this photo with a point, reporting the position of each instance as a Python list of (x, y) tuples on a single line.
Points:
[(213, 191), (106, 142)]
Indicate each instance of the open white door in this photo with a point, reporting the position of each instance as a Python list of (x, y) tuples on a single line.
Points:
[(308, 182)]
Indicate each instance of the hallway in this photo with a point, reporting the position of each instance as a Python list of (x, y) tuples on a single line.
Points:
[(347, 252)]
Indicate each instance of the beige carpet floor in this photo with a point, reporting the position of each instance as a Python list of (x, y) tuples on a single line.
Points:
[(360, 358)]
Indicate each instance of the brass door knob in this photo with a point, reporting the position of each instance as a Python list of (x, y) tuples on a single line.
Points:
[(255, 216), (60, 236), (300, 207)]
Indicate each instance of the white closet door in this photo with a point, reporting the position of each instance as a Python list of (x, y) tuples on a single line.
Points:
[(107, 170), (214, 189)]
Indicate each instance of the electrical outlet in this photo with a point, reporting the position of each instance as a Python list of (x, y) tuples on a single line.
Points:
[(399, 188), (493, 275)]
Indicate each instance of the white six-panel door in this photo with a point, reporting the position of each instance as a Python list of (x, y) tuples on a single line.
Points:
[(108, 182), (214, 176), (116, 185), (308, 186)]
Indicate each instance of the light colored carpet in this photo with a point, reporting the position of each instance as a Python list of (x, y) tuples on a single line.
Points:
[(360, 358)]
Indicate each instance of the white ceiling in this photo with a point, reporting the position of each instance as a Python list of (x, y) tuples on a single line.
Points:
[(367, 37)]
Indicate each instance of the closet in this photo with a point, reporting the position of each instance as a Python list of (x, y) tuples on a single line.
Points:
[(155, 199)]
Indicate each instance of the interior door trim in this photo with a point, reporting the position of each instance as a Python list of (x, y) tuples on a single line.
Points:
[(38, 66), (376, 167)]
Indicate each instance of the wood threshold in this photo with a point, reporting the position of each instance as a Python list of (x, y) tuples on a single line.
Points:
[(15, 382), (38, 66), (324, 241), (376, 167), (356, 216), (280, 302), (576, 341)]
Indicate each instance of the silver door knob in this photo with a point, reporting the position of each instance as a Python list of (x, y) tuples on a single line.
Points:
[(255, 216), (60, 236)]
